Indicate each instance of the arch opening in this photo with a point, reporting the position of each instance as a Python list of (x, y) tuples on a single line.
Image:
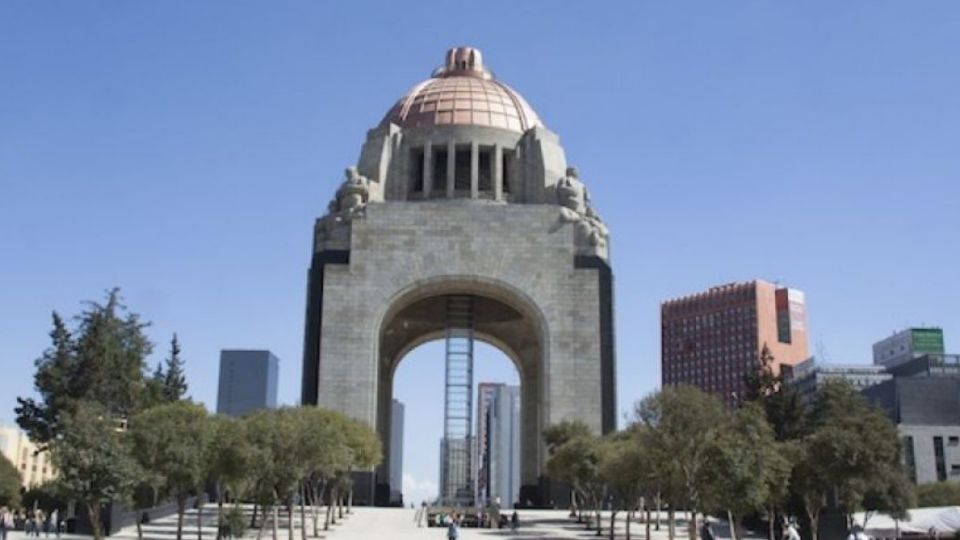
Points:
[(506, 323)]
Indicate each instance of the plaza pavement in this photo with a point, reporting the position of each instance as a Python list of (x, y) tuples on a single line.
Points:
[(398, 524)]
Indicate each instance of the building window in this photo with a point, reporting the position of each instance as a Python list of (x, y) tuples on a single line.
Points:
[(485, 159), (506, 168), (953, 441), (955, 470), (416, 158), (462, 169), (909, 458), (939, 459), (440, 168)]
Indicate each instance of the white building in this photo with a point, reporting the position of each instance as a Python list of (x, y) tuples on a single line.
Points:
[(504, 445), (34, 468), (396, 453)]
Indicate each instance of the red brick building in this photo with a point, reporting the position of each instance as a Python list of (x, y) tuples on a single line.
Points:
[(713, 339)]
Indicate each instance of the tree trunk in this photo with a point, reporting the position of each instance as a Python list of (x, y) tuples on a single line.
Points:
[(734, 533), (276, 517), (329, 520), (613, 522), (340, 506), (139, 529), (303, 511), (814, 521), (253, 519), (692, 528), (181, 509), (627, 524), (350, 502), (93, 512), (219, 510), (659, 508), (263, 521), (200, 516), (671, 525), (771, 526), (647, 526), (290, 519)]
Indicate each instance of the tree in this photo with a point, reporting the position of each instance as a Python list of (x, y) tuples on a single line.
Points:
[(577, 462), (682, 422), (555, 436), (9, 483), (170, 441), (745, 466), (279, 468), (781, 403), (623, 470), (945, 493), (229, 459), (100, 362), (93, 465), (174, 382), (325, 452), (851, 452)]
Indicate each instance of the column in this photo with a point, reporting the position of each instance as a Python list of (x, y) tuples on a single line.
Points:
[(427, 169), (474, 170), (451, 167), (497, 173)]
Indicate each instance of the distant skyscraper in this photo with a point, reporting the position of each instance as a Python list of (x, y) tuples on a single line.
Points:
[(485, 397), (396, 453), (713, 339), (907, 345), (248, 382), (503, 444)]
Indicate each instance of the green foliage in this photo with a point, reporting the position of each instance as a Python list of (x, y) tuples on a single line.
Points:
[(557, 434), (175, 381), (939, 494), (234, 524), (46, 496), (747, 469), (682, 423), (93, 464), (100, 362), (781, 403), (170, 441), (229, 454), (9, 483)]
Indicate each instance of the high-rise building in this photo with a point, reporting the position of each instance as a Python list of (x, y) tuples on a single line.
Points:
[(503, 445), (35, 468), (907, 344), (248, 381), (396, 453), (713, 339), (485, 395)]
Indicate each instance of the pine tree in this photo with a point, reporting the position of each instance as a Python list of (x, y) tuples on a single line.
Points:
[(175, 382)]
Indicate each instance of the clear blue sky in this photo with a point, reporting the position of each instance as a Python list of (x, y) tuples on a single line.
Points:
[(182, 149)]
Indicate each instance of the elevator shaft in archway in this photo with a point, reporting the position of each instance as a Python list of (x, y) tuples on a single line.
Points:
[(456, 448)]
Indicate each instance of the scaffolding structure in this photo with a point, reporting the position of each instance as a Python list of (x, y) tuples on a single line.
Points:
[(456, 448)]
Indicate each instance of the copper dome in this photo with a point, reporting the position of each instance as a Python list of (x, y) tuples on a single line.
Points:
[(463, 92)]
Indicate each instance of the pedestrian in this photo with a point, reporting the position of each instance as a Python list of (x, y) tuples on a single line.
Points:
[(55, 521), (3, 523), (514, 521), (856, 533), (706, 531), (453, 529), (790, 531), (38, 522)]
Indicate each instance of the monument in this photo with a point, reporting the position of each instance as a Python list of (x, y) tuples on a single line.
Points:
[(462, 220)]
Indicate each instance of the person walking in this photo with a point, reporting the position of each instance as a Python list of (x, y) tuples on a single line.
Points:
[(3, 523), (706, 530), (514, 521), (453, 529)]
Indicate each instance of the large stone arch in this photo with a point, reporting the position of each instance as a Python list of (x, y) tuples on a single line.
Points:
[(506, 318)]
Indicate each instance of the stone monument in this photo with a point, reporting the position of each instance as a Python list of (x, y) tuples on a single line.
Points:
[(462, 192)]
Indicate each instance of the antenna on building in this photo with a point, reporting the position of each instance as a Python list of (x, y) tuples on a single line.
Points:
[(822, 351)]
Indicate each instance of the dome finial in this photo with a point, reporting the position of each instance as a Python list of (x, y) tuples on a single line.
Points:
[(464, 61)]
